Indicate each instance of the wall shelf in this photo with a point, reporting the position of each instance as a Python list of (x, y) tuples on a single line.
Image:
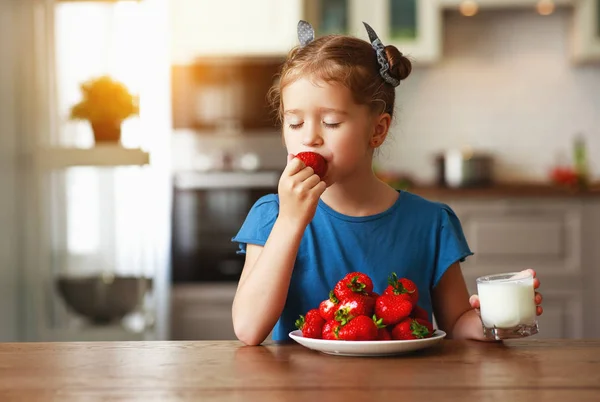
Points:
[(100, 155)]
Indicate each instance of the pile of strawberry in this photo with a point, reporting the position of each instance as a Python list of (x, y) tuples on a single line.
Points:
[(354, 312)]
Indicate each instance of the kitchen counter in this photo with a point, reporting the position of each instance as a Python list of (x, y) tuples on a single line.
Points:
[(522, 190), (516, 370)]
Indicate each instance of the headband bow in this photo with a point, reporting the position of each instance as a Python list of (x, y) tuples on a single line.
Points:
[(381, 57), (306, 34)]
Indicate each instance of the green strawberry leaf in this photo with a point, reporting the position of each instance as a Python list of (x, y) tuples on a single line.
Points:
[(418, 330), (378, 322), (300, 322), (393, 280), (343, 316), (332, 298)]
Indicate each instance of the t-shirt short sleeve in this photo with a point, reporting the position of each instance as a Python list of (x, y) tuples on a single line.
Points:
[(259, 223), (453, 246)]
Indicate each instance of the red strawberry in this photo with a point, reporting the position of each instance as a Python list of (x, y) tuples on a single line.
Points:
[(354, 306), (427, 324), (384, 334), (409, 329), (328, 307), (315, 161), (354, 282), (419, 312), (393, 308), (361, 328), (311, 324), (402, 285), (330, 330)]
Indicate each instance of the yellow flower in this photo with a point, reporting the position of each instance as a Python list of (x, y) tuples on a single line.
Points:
[(105, 99)]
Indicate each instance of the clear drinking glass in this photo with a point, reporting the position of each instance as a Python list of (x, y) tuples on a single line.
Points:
[(507, 305)]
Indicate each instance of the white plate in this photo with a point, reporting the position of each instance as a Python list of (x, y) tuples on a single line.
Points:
[(366, 348)]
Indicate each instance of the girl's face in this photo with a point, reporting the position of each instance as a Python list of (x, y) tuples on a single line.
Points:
[(323, 118)]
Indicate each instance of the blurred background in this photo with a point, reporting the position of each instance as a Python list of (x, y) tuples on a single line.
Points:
[(135, 136)]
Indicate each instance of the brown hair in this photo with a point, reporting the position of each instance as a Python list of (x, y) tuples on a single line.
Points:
[(346, 60)]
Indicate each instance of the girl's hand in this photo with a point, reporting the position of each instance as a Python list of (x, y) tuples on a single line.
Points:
[(299, 192), (474, 299)]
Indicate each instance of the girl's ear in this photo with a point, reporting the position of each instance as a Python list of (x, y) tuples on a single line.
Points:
[(382, 126)]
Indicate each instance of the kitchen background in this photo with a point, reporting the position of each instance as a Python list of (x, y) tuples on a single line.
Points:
[(500, 118)]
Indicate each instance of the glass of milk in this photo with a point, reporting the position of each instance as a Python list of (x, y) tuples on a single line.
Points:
[(507, 305)]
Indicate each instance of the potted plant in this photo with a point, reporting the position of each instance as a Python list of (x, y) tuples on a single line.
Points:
[(106, 104)]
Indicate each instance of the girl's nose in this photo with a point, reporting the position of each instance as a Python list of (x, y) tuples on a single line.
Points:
[(312, 135)]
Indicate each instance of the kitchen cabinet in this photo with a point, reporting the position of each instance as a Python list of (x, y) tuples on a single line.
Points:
[(413, 26), (559, 238), (232, 28), (586, 31), (202, 311)]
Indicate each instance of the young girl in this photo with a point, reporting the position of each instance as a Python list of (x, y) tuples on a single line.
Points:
[(336, 97)]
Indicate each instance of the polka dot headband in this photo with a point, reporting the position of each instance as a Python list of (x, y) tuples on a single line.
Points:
[(306, 34)]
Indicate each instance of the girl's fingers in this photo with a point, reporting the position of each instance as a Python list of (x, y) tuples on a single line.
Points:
[(536, 283), (538, 298), (311, 181), (304, 175), (474, 301), (539, 310), (294, 166), (320, 187)]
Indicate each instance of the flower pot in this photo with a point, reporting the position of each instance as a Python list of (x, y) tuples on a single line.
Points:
[(106, 131)]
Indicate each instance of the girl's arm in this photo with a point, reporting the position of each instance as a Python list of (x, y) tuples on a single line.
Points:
[(263, 286), (453, 312)]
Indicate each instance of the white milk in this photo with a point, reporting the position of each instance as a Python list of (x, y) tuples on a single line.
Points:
[(506, 304)]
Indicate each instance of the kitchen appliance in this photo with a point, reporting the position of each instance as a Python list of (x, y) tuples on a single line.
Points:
[(224, 95), (464, 168), (208, 210)]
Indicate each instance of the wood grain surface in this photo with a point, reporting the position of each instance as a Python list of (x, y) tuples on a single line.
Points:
[(519, 370)]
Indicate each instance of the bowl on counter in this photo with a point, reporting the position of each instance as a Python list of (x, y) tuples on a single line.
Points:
[(103, 299)]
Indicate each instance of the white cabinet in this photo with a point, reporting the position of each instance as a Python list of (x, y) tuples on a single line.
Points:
[(202, 312), (559, 238), (232, 27), (413, 26), (586, 31)]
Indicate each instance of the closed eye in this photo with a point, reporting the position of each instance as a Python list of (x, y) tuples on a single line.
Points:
[(331, 125), (295, 126)]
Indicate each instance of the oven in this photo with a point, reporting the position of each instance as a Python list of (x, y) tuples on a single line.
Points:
[(208, 210)]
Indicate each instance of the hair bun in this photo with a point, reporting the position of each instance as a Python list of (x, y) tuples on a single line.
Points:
[(400, 66)]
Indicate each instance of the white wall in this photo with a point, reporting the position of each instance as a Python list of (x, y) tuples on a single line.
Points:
[(505, 84)]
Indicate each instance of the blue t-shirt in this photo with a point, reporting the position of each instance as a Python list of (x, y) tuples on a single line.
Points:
[(415, 238)]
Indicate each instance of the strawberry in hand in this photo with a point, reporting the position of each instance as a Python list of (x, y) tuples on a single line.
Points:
[(328, 307), (311, 325), (315, 161), (352, 283), (401, 286)]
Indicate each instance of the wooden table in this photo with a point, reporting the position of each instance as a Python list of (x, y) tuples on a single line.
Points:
[(226, 371)]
